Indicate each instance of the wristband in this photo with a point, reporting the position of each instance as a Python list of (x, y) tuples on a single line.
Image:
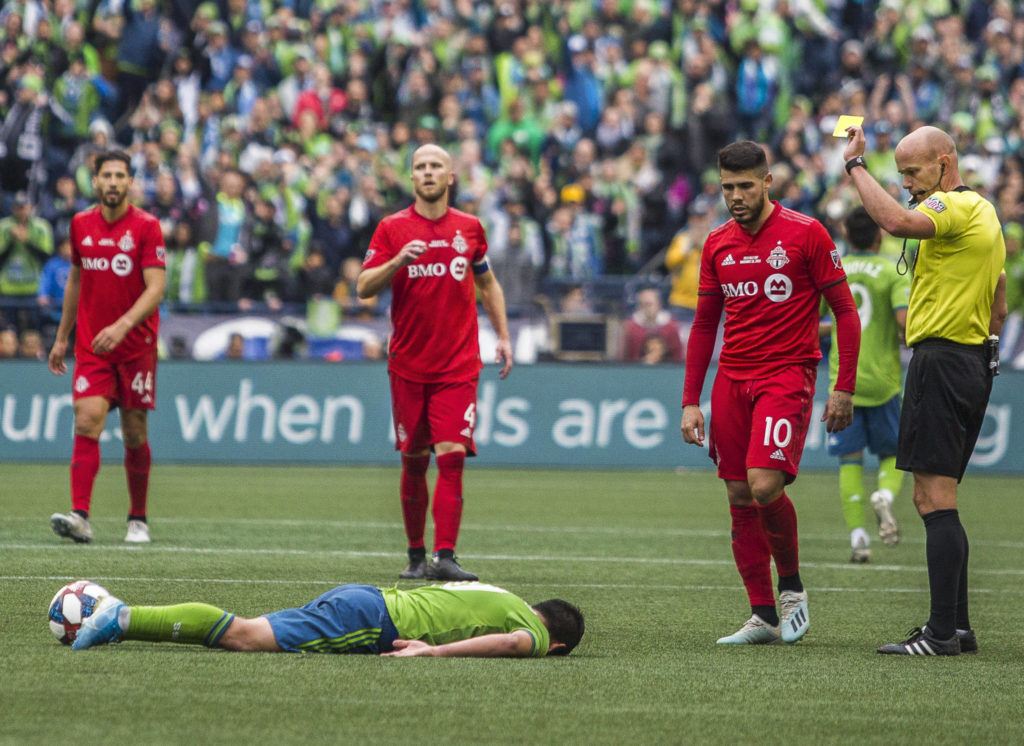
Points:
[(854, 162)]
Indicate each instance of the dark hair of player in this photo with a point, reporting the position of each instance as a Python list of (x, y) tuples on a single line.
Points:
[(744, 155), (113, 155), (564, 622), (861, 230)]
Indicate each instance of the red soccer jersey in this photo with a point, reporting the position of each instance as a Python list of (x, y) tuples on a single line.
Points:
[(433, 300), (111, 257), (771, 283)]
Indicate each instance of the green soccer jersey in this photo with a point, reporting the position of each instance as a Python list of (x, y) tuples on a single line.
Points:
[(879, 290), (439, 614)]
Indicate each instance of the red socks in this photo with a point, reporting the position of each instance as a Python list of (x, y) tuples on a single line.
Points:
[(415, 497), (753, 555), (447, 510), (85, 464), (779, 520), (136, 466)]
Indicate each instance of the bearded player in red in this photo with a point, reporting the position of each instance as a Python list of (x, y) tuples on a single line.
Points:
[(116, 282), (768, 267), (434, 259)]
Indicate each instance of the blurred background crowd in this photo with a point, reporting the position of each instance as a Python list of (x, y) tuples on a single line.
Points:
[(270, 136)]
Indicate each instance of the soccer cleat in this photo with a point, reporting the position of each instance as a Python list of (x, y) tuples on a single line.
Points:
[(921, 642), (755, 631), (888, 529), (138, 532), (795, 619), (861, 551), (446, 568), (968, 641), (102, 626), (416, 569), (71, 526)]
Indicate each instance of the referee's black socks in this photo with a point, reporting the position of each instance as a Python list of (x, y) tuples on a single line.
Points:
[(944, 548)]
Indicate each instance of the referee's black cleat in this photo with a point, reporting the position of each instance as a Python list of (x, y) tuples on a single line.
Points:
[(968, 641), (446, 568), (921, 642)]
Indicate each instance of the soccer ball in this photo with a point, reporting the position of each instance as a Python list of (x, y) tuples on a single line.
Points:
[(70, 607)]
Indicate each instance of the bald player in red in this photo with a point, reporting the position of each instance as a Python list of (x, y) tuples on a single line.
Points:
[(433, 258)]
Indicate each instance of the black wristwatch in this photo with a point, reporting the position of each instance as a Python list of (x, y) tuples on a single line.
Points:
[(854, 162)]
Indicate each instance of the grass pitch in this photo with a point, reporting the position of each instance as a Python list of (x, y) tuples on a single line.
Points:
[(645, 554)]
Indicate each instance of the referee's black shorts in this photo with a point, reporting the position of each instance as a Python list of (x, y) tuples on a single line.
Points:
[(944, 404)]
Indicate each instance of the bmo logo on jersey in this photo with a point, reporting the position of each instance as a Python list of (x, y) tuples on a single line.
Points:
[(739, 289), (458, 268), (778, 288), (121, 265)]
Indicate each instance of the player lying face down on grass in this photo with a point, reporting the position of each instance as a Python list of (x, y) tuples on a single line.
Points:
[(464, 619)]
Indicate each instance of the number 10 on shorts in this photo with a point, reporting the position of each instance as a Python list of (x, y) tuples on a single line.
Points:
[(777, 432)]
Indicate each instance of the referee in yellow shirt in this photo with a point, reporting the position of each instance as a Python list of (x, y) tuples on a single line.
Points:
[(957, 303)]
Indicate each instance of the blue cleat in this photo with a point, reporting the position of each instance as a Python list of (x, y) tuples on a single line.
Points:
[(101, 626)]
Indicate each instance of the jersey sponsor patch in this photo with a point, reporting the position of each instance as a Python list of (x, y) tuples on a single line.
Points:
[(750, 260), (778, 288), (934, 203)]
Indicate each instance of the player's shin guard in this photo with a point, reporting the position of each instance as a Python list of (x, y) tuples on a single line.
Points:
[(447, 508), (851, 492), (752, 554), (137, 462), (415, 497), (85, 464), (779, 520), (190, 624)]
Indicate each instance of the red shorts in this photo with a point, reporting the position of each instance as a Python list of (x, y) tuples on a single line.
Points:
[(429, 413), (761, 423), (129, 384)]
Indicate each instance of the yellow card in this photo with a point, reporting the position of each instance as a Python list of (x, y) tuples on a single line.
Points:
[(846, 120)]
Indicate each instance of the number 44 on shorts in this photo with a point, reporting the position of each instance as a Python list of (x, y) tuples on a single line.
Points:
[(143, 383)]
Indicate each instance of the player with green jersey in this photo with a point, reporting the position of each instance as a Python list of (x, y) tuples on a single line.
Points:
[(464, 619), (881, 295)]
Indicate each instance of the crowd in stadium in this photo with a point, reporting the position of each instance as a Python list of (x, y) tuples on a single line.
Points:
[(270, 136)]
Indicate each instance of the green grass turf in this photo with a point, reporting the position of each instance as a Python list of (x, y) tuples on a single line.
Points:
[(645, 554)]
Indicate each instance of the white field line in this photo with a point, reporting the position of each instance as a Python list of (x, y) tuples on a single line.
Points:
[(678, 561), (593, 586), (483, 527)]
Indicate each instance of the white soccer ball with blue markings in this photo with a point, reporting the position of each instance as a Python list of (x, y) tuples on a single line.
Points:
[(74, 603)]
